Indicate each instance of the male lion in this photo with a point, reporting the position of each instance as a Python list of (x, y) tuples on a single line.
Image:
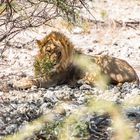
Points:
[(58, 63)]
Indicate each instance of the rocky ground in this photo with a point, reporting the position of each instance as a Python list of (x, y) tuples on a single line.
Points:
[(18, 107)]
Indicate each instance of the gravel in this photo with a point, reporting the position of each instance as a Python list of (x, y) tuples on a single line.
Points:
[(19, 107)]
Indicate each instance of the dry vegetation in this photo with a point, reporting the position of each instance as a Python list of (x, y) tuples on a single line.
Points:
[(19, 15)]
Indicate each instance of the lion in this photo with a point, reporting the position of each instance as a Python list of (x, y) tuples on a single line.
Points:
[(58, 62)]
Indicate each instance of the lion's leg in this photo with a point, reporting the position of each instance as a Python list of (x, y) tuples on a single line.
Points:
[(26, 83)]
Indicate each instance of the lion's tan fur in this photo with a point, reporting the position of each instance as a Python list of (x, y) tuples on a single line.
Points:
[(117, 70)]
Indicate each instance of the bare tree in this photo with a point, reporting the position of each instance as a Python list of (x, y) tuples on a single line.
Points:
[(19, 15)]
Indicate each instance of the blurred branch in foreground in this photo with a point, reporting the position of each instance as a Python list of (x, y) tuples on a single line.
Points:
[(65, 131)]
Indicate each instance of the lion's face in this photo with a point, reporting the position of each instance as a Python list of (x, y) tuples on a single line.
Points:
[(51, 50)]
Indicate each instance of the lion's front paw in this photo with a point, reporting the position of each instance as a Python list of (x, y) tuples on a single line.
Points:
[(24, 83)]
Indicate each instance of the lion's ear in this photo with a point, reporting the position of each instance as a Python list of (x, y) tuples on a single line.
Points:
[(39, 43)]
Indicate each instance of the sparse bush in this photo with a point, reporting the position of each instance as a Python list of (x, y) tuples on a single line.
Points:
[(42, 67)]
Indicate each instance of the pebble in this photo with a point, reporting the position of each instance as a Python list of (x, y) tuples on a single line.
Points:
[(85, 87), (11, 128), (138, 126), (1, 123), (77, 30)]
